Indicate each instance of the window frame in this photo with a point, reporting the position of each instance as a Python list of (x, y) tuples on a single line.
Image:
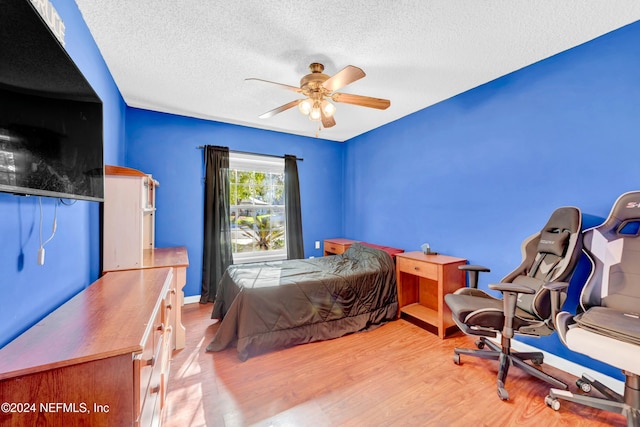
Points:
[(258, 163)]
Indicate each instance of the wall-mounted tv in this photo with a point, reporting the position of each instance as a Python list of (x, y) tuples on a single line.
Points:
[(51, 132)]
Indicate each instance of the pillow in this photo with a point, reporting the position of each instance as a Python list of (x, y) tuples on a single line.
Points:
[(391, 251), (554, 243)]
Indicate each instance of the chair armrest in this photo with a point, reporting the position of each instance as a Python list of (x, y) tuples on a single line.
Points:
[(511, 287), (556, 286), (474, 270), (556, 305), (510, 293)]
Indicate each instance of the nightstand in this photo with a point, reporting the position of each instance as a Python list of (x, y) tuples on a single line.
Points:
[(423, 281), (337, 246)]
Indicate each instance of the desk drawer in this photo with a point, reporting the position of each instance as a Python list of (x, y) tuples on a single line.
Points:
[(417, 268)]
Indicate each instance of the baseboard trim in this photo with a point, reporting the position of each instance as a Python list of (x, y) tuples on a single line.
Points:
[(192, 299), (571, 367)]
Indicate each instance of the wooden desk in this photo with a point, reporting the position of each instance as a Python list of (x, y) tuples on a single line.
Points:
[(178, 259), (337, 246), (100, 359), (423, 281)]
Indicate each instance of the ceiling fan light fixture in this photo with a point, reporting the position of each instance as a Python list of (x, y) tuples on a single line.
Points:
[(305, 106), (319, 91), (328, 108), (315, 115)]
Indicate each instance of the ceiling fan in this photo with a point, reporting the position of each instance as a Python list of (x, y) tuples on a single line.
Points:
[(319, 88)]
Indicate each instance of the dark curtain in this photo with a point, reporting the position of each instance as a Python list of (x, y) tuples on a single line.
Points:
[(217, 235), (295, 246)]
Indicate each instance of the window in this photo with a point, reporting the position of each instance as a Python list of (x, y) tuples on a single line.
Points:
[(257, 208)]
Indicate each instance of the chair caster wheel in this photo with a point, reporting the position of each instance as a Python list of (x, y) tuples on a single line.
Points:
[(537, 361), (583, 385), (503, 394), (480, 344), (552, 403), (456, 358)]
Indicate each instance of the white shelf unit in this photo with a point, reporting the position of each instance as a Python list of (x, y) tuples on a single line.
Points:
[(128, 217)]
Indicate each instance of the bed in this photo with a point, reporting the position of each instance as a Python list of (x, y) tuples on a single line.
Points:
[(273, 305)]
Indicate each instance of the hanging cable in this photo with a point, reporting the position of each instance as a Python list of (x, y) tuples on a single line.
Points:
[(53, 230), (68, 202)]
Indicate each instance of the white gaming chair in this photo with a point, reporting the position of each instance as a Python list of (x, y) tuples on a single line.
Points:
[(608, 326)]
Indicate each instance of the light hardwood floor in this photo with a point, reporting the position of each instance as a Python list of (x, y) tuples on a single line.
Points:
[(396, 375)]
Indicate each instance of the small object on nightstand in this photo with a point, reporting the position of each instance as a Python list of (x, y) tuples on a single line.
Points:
[(426, 249)]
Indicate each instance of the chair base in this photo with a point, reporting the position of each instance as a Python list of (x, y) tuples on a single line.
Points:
[(627, 405), (507, 359)]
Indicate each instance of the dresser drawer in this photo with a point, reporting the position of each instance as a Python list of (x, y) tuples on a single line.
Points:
[(151, 394), (151, 363), (417, 268), (148, 358), (166, 364), (170, 306)]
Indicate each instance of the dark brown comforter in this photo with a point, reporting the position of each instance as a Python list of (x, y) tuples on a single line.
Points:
[(271, 305)]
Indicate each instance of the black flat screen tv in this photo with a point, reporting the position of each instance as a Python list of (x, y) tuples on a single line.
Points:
[(51, 123)]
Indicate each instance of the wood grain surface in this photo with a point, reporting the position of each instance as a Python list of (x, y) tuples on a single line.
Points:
[(396, 375)]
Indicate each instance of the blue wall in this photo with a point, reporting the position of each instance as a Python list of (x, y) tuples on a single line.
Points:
[(165, 145), (29, 291), (476, 174)]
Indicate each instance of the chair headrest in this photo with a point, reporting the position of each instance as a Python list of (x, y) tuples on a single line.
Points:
[(612, 247), (627, 206), (566, 218), (554, 237), (624, 218), (554, 241)]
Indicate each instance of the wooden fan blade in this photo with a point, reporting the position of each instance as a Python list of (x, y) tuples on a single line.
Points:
[(347, 75), (291, 88), (327, 121), (363, 101), (279, 109)]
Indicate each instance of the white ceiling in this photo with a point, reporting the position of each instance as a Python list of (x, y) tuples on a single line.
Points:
[(191, 57)]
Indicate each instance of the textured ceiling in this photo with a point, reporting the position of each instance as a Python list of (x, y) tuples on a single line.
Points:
[(191, 57)]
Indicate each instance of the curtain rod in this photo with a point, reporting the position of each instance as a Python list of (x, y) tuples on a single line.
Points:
[(257, 154)]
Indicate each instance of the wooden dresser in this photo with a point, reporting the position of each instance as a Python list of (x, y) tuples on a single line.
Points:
[(100, 359), (177, 258)]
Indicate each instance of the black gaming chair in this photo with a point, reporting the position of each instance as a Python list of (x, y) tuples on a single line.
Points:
[(608, 325), (531, 296)]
